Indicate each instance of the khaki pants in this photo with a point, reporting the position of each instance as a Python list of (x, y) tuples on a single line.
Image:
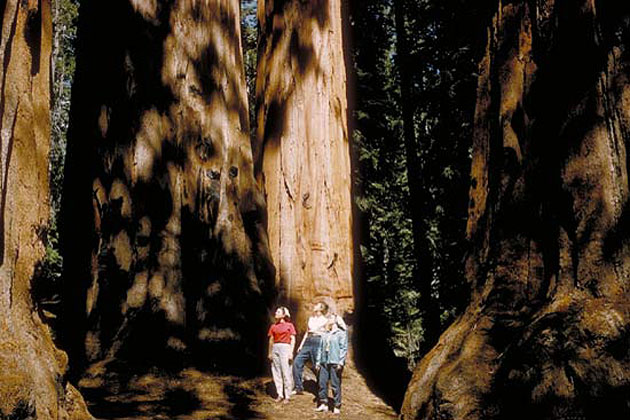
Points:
[(280, 369)]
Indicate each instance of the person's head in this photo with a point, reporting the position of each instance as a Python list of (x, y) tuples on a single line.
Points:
[(340, 322), (320, 308), (331, 323), (282, 313)]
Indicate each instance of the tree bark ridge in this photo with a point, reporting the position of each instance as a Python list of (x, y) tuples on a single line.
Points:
[(545, 335), (160, 167), (303, 151), (32, 369)]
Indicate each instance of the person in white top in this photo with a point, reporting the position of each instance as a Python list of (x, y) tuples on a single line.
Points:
[(310, 344)]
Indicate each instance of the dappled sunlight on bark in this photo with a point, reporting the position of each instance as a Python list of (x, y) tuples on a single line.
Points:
[(179, 265), (546, 334), (303, 150), (32, 370)]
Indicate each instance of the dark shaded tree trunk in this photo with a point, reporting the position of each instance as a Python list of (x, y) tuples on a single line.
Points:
[(546, 334), (165, 248), (417, 196), (304, 151), (32, 369)]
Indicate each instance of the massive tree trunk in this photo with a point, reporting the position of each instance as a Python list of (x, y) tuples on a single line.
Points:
[(303, 150), (31, 368), (547, 332), (166, 251)]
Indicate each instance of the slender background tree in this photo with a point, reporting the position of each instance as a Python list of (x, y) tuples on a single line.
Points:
[(415, 89)]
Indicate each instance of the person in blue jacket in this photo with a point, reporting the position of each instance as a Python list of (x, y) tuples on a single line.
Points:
[(331, 358)]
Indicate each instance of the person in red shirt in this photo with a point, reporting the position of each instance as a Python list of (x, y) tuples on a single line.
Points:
[(281, 343)]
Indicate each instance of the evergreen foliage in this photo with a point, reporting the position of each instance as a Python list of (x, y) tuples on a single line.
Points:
[(65, 13), (442, 64), (249, 39), (47, 279)]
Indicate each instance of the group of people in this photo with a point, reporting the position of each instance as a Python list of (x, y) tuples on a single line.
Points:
[(325, 345)]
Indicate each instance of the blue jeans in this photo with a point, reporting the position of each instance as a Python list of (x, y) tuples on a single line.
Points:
[(308, 352), (328, 372)]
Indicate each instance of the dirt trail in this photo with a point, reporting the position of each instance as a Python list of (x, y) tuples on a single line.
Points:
[(192, 394)]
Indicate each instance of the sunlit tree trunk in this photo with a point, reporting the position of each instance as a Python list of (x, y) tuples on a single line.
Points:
[(31, 368), (303, 149), (166, 250), (546, 333)]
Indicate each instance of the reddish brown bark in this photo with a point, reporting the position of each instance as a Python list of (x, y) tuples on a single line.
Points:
[(170, 255), (546, 334), (31, 367), (303, 150)]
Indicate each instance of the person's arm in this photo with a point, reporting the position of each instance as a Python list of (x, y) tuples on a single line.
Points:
[(270, 347), (302, 342), (292, 347), (318, 355), (341, 323), (343, 348)]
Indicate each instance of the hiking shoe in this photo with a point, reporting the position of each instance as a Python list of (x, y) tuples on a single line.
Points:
[(336, 410), (322, 407)]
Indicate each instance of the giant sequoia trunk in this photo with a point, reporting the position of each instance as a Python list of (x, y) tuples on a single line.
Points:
[(304, 150), (547, 332), (31, 368), (166, 253)]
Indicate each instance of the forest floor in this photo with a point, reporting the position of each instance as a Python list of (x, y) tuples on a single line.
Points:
[(193, 394)]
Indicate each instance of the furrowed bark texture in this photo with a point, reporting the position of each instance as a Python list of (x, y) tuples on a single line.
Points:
[(31, 367), (303, 150), (547, 333), (166, 251)]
